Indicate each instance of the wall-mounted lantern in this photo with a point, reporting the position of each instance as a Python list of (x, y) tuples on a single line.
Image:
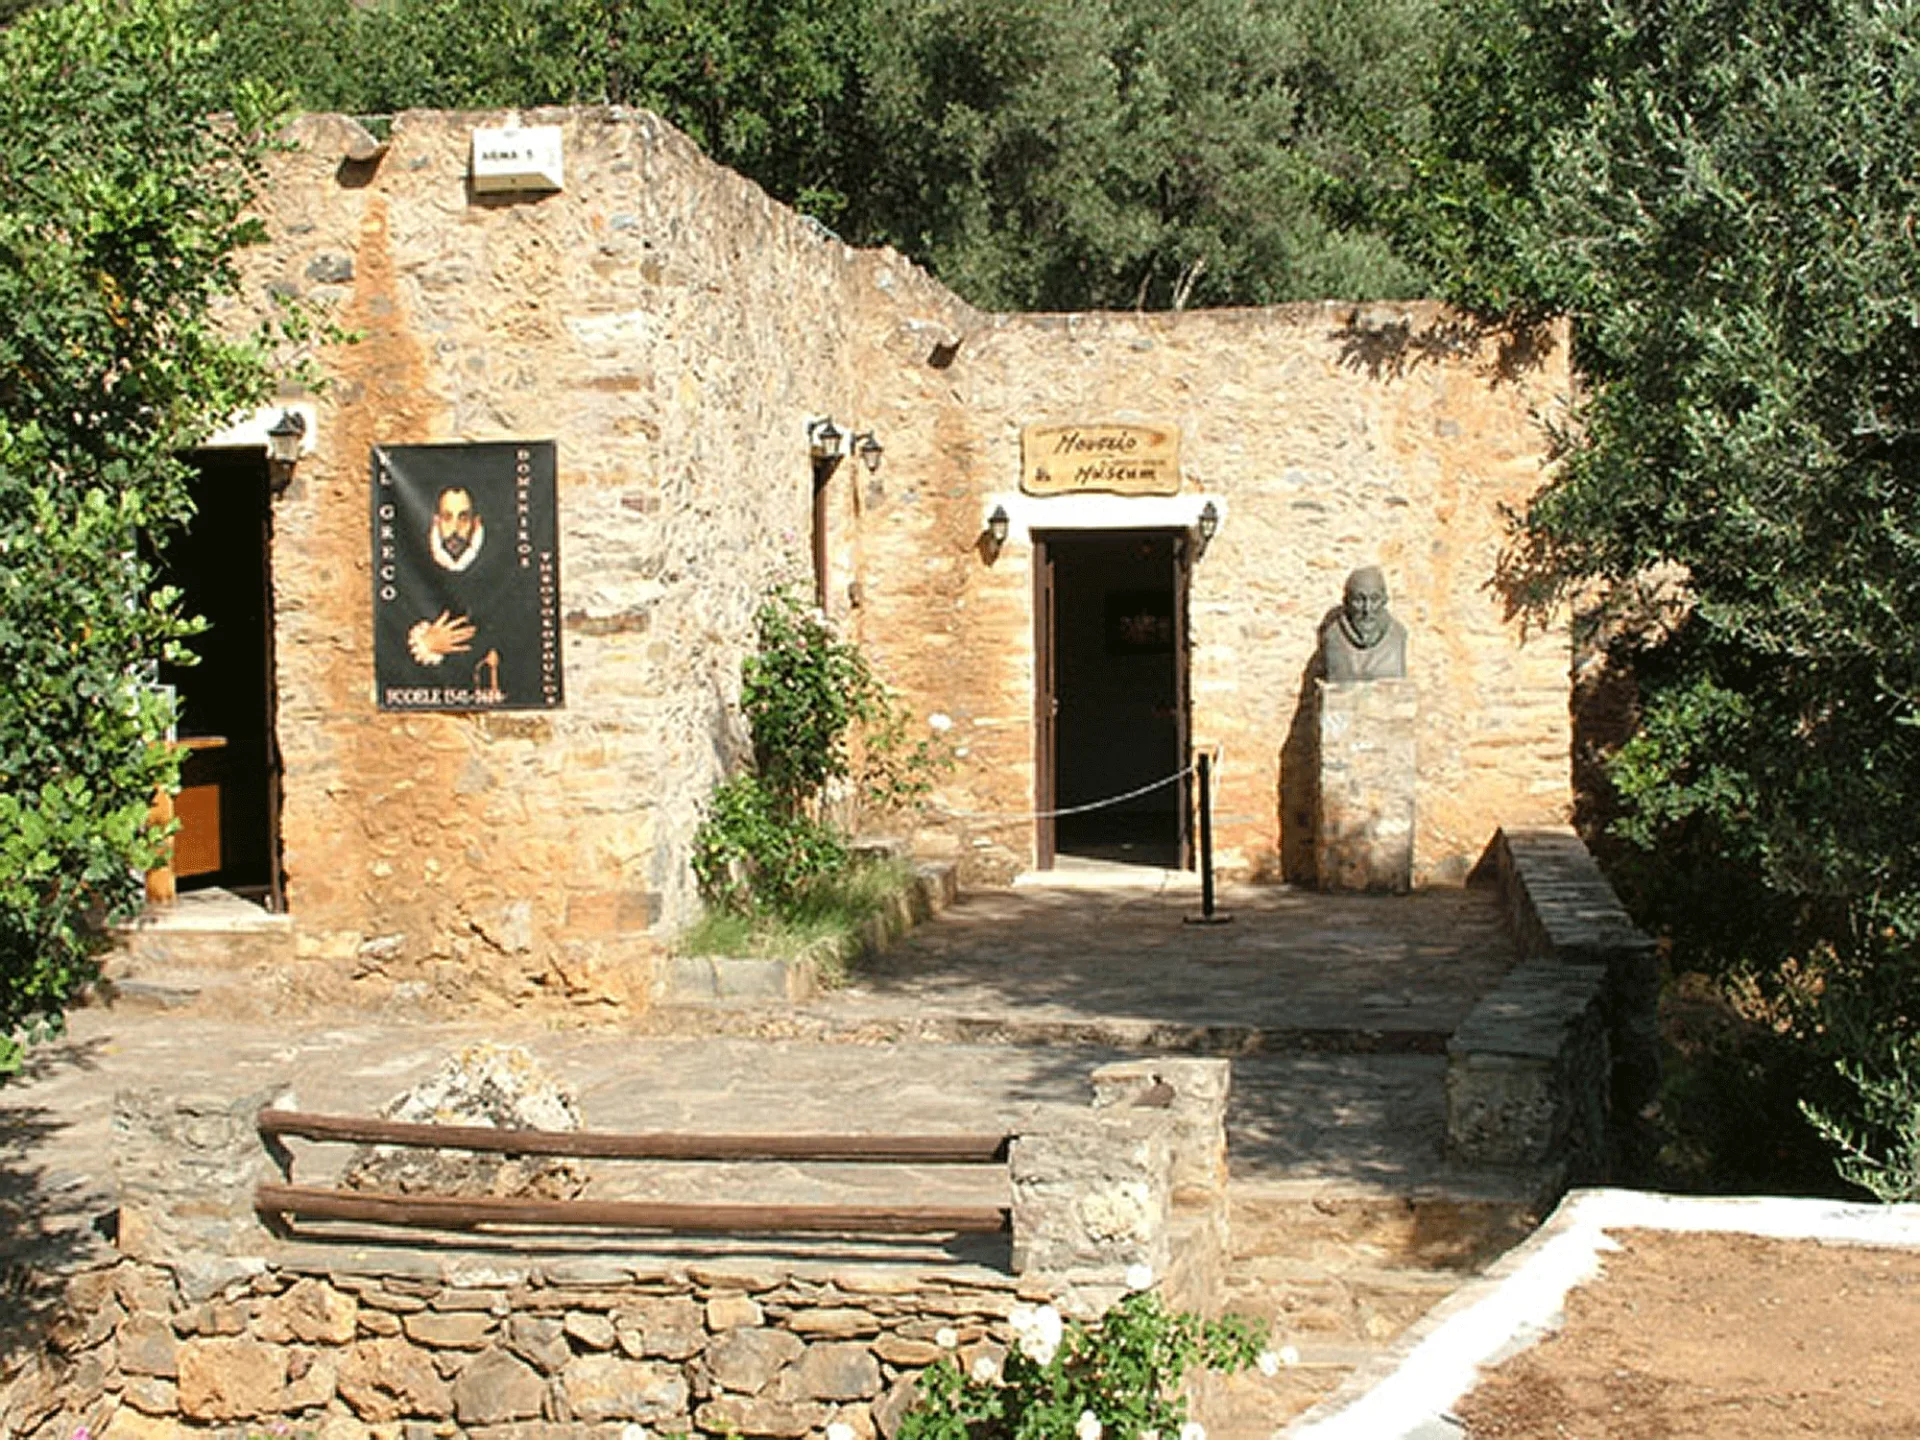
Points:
[(825, 440), (994, 538), (284, 438), (1207, 525), (868, 447)]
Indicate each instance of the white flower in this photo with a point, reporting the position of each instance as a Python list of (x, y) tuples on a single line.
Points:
[(1149, 1435), (839, 1430), (1020, 1318), (946, 1337), (939, 722), (1289, 1355), (1040, 1334), (1268, 1362), (1088, 1426), (1139, 1277), (633, 1432), (1193, 1430), (985, 1368)]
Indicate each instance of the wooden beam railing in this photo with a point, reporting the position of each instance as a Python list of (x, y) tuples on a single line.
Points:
[(283, 1202), (600, 1145)]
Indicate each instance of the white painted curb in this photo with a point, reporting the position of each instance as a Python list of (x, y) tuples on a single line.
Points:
[(1519, 1299)]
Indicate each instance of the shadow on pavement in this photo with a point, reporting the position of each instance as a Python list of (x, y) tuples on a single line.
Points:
[(48, 1222), (1291, 960)]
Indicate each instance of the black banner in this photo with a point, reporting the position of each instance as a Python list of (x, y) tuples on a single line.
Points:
[(466, 577)]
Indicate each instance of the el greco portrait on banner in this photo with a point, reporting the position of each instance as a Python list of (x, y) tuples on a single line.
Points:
[(466, 566)]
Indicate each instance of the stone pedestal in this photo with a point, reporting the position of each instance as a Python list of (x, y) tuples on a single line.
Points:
[(1363, 834), (186, 1167), (1093, 1196)]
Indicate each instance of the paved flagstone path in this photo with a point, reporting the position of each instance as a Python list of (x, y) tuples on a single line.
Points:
[(1348, 1221)]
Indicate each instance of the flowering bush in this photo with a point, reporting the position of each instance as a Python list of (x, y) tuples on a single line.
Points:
[(1118, 1379)]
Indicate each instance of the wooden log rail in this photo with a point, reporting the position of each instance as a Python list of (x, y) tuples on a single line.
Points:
[(282, 1202)]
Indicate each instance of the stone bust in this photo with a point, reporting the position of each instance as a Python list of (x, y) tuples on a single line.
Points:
[(1361, 641)]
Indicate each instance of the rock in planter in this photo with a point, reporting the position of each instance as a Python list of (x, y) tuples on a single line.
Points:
[(498, 1086)]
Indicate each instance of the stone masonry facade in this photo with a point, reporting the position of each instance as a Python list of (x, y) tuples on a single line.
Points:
[(672, 330)]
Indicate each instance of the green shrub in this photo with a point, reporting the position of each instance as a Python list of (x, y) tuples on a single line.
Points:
[(1878, 1147), (818, 716), (1118, 1379), (754, 853)]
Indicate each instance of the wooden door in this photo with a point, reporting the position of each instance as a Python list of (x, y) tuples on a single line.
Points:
[(1182, 698), (1046, 704), (276, 896)]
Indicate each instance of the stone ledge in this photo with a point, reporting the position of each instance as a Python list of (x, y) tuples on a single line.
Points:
[(1551, 1066), (1526, 1071), (1558, 903), (1561, 909), (1530, 1013)]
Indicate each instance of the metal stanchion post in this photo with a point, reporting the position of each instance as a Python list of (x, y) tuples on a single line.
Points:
[(1208, 915)]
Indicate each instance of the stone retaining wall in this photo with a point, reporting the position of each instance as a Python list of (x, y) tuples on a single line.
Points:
[(1527, 1072), (1560, 906), (1557, 1063), (205, 1321), (346, 1352)]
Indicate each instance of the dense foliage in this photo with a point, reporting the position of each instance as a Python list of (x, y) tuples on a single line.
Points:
[(758, 86), (1036, 154), (1129, 153), (1723, 195), (124, 206)]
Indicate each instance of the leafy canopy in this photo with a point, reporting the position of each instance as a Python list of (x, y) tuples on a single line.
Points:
[(126, 202), (1034, 153)]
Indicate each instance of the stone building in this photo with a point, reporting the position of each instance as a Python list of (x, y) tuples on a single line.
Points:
[(667, 338)]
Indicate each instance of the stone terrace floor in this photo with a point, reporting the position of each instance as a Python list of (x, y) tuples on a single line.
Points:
[(1335, 1010)]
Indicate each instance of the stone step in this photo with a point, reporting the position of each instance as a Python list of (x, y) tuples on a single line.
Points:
[(848, 1019), (205, 938), (1328, 1314), (1341, 1269), (153, 969), (1457, 1228)]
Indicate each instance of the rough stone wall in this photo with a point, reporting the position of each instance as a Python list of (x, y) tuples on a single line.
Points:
[(563, 1349), (671, 328), (1561, 909), (1330, 436)]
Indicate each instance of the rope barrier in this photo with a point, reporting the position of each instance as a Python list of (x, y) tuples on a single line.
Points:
[(1008, 815)]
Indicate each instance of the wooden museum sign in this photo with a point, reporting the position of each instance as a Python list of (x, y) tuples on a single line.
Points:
[(1109, 459)]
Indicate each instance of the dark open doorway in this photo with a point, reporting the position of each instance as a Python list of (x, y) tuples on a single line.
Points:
[(229, 800), (1111, 702)]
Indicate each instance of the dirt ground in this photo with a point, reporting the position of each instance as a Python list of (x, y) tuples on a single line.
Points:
[(1725, 1337)]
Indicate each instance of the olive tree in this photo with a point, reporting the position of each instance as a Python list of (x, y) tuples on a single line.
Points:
[(1723, 195)]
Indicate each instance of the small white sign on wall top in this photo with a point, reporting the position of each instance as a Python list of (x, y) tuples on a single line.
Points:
[(517, 158)]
